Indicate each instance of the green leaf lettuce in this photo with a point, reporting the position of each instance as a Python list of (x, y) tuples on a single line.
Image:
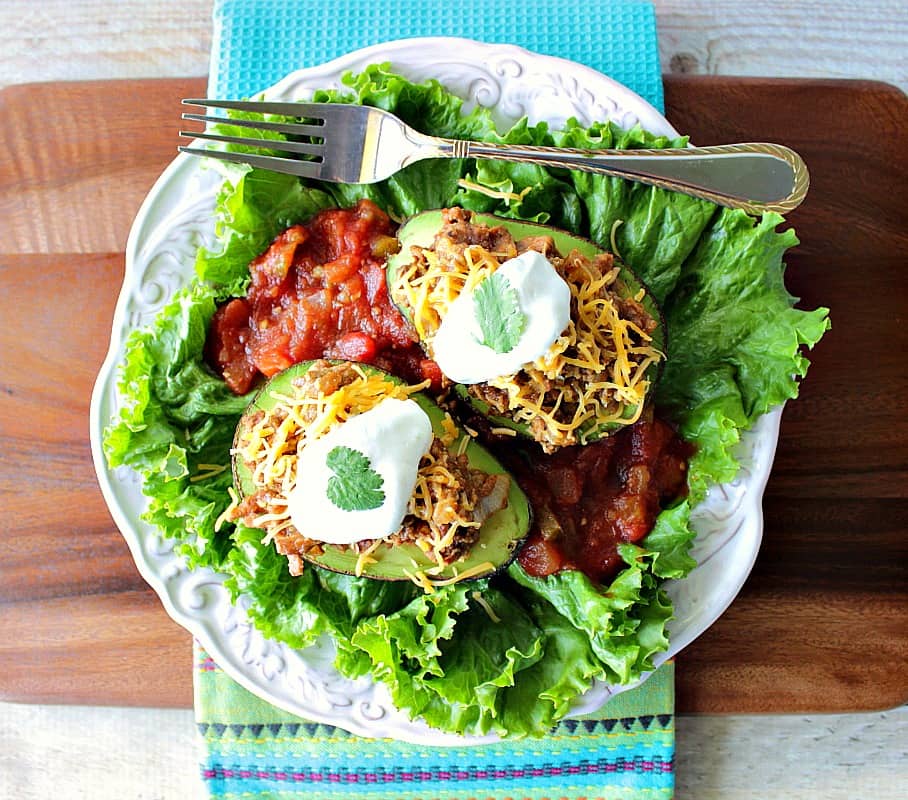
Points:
[(508, 654)]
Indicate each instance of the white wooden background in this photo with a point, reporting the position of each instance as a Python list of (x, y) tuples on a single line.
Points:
[(105, 753)]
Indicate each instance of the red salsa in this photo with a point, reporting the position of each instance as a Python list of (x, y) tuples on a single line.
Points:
[(589, 499), (318, 291)]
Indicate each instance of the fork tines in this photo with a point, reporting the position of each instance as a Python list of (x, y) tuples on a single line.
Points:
[(308, 136)]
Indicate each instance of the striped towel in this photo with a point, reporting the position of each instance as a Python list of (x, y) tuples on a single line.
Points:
[(252, 750)]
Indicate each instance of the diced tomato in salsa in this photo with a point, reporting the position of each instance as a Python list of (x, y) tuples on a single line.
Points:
[(590, 499), (318, 291)]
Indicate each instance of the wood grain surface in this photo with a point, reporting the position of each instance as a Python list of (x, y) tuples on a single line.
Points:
[(819, 626)]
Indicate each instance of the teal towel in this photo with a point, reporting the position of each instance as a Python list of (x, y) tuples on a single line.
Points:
[(258, 42), (254, 751)]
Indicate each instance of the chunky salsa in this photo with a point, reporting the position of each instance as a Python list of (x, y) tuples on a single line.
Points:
[(587, 500), (319, 291)]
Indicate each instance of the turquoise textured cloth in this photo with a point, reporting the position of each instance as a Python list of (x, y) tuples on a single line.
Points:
[(258, 42)]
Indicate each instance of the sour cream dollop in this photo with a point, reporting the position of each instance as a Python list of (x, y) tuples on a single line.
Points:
[(545, 301), (394, 436)]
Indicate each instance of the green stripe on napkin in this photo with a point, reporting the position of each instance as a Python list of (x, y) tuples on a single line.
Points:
[(254, 750)]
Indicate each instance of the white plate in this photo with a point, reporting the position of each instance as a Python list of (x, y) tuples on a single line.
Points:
[(176, 218)]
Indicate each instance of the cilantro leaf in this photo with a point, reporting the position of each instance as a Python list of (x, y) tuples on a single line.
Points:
[(498, 313), (355, 486)]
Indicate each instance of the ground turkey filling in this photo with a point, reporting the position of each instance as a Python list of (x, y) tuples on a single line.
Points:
[(460, 495), (558, 395)]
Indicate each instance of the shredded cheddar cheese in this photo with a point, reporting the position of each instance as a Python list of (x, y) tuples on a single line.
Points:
[(422, 577), (365, 558), (269, 445), (593, 375), (503, 431), (465, 183), (207, 471), (484, 604), (611, 236)]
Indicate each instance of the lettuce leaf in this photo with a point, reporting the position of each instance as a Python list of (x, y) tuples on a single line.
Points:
[(178, 421), (253, 207), (625, 621), (512, 653), (654, 230), (450, 660), (545, 691), (298, 609), (735, 339)]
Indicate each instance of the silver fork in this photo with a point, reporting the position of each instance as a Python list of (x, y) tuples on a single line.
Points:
[(359, 144)]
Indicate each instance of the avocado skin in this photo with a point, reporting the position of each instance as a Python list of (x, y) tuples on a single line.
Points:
[(501, 533), (421, 229)]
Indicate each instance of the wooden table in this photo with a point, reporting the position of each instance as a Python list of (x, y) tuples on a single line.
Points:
[(819, 626)]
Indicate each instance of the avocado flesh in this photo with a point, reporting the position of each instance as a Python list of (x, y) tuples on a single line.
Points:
[(500, 534), (421, 229)]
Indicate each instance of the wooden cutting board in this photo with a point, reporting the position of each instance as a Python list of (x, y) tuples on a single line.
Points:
[(822, 623)]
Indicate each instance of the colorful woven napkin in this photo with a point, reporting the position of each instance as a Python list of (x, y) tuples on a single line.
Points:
[(258, 42), (252, 750)]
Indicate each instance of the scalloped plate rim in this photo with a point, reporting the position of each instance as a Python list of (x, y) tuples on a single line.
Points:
[(203, 627)]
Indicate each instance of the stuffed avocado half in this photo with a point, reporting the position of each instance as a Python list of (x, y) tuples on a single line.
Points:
[(347, 467), (544, 333)]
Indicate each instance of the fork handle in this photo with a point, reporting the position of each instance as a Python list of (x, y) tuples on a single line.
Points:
[(756, 177)]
